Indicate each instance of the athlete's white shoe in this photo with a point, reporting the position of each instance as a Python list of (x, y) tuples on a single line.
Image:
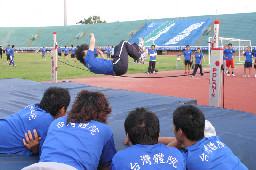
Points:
[(255, 76), (233, 75), (248, 76), (243, 75), (228, 74)]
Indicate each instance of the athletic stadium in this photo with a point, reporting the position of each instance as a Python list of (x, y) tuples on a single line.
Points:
[(161, 93)]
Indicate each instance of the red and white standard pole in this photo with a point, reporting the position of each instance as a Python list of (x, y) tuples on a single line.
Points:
[(54, 60), (215, 90)]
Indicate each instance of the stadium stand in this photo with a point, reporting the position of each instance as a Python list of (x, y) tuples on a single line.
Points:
[(169, 32)]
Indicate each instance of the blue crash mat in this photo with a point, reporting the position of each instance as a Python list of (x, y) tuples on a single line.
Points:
[(236, 128)]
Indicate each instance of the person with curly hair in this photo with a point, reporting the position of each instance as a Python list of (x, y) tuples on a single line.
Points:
[(34, 118), (81, 139), (117, 67)]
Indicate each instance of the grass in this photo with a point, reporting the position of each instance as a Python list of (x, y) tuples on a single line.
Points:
[(31, 66)]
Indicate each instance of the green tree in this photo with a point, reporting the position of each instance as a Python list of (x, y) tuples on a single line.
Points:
[(91, 20)]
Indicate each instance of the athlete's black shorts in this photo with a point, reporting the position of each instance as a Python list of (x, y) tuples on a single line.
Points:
[(8, 56), (187, 62), (72, 55), (247, 64), (108, 55), (65, 54), (59, 54)]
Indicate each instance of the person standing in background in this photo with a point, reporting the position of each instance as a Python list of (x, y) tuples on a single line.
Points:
[(152, 60)]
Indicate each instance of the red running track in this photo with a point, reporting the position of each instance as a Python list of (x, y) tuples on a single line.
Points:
[(240, 93)]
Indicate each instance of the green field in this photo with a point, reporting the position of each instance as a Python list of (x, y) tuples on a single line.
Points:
[(31, 66)]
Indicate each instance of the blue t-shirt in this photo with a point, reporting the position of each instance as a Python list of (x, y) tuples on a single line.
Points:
[(66, 50), (199, 57), (7, 50), (224, 55), (109, 50), (211, 153), (72, 50), (43, 51), (59, 50), (248, 56), (11, 52), (229, 53), (16, 125), (98, 65), (95, 51), (187, 54), (152, 54), (158, 156), (81, 145), (112, 51)]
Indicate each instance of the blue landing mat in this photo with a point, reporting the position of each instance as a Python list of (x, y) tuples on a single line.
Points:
[(236, 128)]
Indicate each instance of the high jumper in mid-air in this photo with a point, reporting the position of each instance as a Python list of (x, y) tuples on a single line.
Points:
[(116, 67)]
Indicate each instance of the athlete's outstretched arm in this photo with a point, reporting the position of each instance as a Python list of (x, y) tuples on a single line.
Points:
[(92, 42)]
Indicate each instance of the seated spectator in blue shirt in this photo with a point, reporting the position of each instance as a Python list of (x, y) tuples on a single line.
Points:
[(142, 130), (81, 139), (201, 153), (36, 118)]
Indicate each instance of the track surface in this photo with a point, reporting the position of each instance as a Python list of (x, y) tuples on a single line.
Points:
[(239, 93)]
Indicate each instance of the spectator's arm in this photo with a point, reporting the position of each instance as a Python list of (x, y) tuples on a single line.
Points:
[(31, 143), (166, 140)]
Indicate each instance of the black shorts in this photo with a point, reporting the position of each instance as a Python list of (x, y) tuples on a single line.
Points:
[(255, 66), (108, 55), (72, 55), (59, 54), (247, 65), (187, 62), (8, 56), (65, 54), (95, 55)]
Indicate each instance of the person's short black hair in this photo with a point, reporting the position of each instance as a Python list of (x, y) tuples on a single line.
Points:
[(80, 52), (8, 45), (198, 49), (65, 46), (153, 45), (142, 127), (187, 46), (230, 44), (72, 46), (13, 46), (190, 120), (54, 99)]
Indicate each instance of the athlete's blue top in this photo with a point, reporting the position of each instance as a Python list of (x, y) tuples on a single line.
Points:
[(229, 53), (109, 50), (43, 51), (199, 57), (14, 127), (95, 51), (12, 52), (98, 65), (66, 50), (248, 56), (81, 145), (225, 55), (152, 54), (72, 50), (7, 50), (158, 156), (211, 153), (59, 50), (187, 54)]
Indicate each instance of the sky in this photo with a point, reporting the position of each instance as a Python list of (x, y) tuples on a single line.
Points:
[(35, 13)]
